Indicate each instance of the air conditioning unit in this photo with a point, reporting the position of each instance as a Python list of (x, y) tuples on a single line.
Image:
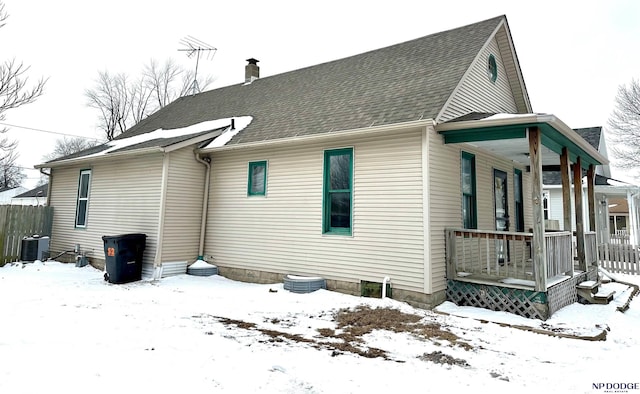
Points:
[(34, 248)]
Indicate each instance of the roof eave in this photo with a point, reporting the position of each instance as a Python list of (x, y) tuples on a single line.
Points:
[(86, 159), (526, 119), (322, 136), (142, 151)]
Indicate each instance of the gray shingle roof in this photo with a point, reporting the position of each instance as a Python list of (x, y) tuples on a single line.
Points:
[(399, 83), (42, 190), (554, 178), (591, 135)]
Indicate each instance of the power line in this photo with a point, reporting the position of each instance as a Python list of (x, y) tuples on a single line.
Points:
[(49, 131)]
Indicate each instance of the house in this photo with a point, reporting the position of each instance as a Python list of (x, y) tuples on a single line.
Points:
[(36, 196), (7, 193), (618, 203), (420, 162)]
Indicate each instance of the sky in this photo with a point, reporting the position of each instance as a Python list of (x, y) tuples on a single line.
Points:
[(573, 54), (64, 329)]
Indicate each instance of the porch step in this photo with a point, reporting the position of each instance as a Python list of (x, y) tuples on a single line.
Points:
[(590, 292), (590, 285)]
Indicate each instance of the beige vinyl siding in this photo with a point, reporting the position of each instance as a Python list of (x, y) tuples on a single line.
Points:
[(512, 69), (124, 197), (476, 92), (183, 207), (446, 201), (282, 231)]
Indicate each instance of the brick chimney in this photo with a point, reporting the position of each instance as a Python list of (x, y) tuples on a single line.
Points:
[(251, 71)]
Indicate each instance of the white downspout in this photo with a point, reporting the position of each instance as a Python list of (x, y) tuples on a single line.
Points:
[(157, 264), (205, 202)]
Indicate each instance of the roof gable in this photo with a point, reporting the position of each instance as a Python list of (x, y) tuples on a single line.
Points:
[(478, 91), (400, 83)]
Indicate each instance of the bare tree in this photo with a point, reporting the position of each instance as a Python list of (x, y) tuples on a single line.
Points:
[(14, 89), (112, 98), (11, 174), (123, 103), (624, 126), (68, 146)]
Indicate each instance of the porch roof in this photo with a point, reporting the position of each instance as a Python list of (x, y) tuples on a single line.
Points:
[(484, 129)]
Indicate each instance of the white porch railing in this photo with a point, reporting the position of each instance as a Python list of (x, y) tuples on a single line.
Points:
[(624, 259), (621, 237), (503, 256)]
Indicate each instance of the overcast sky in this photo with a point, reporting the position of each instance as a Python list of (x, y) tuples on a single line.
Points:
[(573, 55)]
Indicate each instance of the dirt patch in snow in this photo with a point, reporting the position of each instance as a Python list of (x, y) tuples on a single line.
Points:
[(353, 324)]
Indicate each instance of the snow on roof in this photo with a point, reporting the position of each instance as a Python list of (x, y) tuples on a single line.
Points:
[(240, 123), (614, 182), (508, 116)]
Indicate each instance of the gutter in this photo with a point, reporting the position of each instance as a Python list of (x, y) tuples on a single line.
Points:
[(91, 158), (130, 152), (205, 201), (325, 136)]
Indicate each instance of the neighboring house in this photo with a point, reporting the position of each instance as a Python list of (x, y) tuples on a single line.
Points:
[(7, 193), (618, 203), (36, 196), (388, 163)]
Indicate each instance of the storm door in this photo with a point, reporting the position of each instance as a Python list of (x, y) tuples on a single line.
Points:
[(501, 205)]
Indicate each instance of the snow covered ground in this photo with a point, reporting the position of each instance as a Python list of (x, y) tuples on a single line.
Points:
[(63, 329)]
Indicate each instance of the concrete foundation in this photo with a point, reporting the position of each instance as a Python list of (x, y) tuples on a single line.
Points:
[(413, 298)]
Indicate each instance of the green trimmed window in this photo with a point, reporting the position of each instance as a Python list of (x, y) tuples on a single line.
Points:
[(469, 198), (337, 206), (82, 203), (257, 183), (519, 199)]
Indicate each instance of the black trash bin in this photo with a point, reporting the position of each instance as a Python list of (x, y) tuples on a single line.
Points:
[(123, 257)]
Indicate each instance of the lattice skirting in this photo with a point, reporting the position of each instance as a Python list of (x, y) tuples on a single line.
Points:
[(530, 304), (527, 303), (564, 293)]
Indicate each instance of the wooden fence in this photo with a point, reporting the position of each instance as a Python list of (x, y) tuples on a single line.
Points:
[(17, 222), (620, 258)]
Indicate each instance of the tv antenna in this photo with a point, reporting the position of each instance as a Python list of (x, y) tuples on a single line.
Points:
[(193, 46)]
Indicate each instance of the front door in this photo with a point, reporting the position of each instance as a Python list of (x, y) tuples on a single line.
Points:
[(500, 198)]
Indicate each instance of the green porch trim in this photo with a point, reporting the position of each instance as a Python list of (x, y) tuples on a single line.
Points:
[(486, 134), (551, 138)]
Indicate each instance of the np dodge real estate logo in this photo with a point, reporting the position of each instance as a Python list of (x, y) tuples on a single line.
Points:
[(615, 387)]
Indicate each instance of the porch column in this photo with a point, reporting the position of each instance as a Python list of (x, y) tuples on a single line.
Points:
[(577, 190), (591, 196), (538, 253), (566, 189), (633, 217)]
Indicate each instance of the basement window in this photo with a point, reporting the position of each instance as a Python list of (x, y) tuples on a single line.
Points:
[(257, 182), (82, 205)]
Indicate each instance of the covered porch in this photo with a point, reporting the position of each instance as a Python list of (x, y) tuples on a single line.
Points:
[(531, 271)]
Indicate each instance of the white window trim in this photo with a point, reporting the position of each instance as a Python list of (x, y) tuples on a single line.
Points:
[(78, 199)]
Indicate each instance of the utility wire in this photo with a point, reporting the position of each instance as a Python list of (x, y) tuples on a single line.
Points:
[(49, 131)]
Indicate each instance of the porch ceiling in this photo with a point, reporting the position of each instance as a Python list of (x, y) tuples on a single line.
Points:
[(506, 135)]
